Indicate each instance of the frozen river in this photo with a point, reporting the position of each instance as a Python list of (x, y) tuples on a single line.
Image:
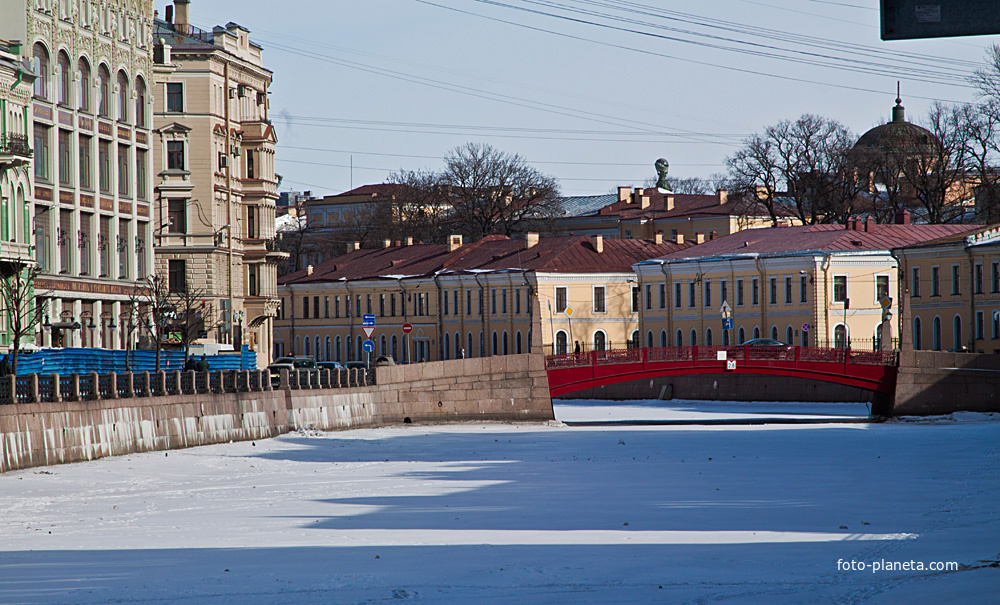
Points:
[(498, 513)]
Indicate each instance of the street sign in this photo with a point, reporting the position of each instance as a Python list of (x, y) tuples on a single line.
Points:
[(727, 323), (805, 327), (730, 365), (368, 320), (368, 346), (726, 310), (368, 331), (407, 328), (569, 311)]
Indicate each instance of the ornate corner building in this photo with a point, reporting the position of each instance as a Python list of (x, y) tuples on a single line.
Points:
[(89, 196), (215, 183)]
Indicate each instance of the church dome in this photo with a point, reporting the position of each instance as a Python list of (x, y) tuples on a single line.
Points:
[(899, 135)]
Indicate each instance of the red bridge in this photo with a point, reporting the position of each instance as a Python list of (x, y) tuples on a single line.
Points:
[(872, 370)]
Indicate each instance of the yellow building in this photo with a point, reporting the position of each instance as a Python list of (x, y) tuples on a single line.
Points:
[(495, 296), (818, 285), (953, 285), (215, 182)]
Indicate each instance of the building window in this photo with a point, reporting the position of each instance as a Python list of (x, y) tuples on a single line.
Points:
[(42, 152), (65, 159), (381, 306), (881, 287), (249, 165), (63, 78), (935, 281), (503, 301), (177, 216), (316, 307), (83, 85), (754, 292), (600, 300), (677, 295), (175, 97), (635, 299), (140, 103), (979, 279), (123, 170), (708, 293), (41, 67), (104, 166), (662, 298), (392, 305), (724, 290), (739, 293), (140, 174), (175, 155), (803, 288), (772, 297), (649, 296), (915, 283), (493, 301), (123, 88), (103, 91), (839, 288), (956, 279), (980, 325), (305, 307), (86, 170), (788, 291), (480, 301), (468, 308), (517, 311), (175, 276), (253, 280), (691, 294), (561, 300)]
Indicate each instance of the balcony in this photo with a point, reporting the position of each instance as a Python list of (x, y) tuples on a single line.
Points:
[(14, 150)]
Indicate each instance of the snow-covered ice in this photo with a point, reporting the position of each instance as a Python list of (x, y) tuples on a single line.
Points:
[(539, 513)]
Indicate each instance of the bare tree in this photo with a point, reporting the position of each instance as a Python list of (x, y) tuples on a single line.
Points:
[(23, 306), (192, 315), (491, 191), (981, 123), (755, 175), (155, 310), (936, 169)]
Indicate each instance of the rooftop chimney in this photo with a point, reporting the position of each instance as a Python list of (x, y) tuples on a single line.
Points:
[(623, 193), (387, 243), (723, 196), (454, 242), (902, 217), (699, 238), (638, 194), (353, 246), (668, 202), (679, 239), (713, 234), (852, 223), (869, 224), (168, 15), (530, 240), (181, 9), (658, 238), (309, 270), (644, 201), (598, 243), (409, 240)]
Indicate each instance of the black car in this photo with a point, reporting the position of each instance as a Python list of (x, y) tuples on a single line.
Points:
[(765, 342)]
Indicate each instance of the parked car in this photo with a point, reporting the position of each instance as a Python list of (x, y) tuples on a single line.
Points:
[(765, 342), (329, 365), (300, 363), (383, 360), (274, 370), (356, 364)]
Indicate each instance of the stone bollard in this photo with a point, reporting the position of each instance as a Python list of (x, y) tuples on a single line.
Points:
[(129, 385), (265, 380), (147, 388), (33, 388), (220, 380), (283, 379), (194, 383), (161, 382), (114, 386), (74, 387), (56, 387), (96, 385), (177, 383)]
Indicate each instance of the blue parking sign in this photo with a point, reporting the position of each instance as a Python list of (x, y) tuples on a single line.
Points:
[(368, 320), (368, 346), (727, 323)]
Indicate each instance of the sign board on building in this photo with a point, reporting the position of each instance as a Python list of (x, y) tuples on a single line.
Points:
[(913, 19)]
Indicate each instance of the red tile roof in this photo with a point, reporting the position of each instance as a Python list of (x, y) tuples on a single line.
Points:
[(685, 205), (828, 238), (570, 254)]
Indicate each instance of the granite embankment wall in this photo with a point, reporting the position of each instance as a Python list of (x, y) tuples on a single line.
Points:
[(508, 388), (938, 382)]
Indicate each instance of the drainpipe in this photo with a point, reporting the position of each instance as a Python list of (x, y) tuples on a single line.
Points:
[(350, 320), (440, 321), (486, 316), (763, 290), (18, 79), (902, 293), (826, 296), (669, 308), (402, 303), (291, 341), (972, 299)]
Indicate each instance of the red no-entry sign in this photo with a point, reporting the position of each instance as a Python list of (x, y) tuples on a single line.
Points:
[(407, 328)]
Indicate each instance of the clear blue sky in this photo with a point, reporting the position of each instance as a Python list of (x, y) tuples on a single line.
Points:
[(592, 96)]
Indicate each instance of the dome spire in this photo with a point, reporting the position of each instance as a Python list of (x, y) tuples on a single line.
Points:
[(898, 114)]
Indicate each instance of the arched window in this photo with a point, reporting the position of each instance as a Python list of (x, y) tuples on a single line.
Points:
[(495, 349), (447, 345), (41, 67), (600, 340), (458, 346), (316, 349), (649, 339), (680, 339), (482, 344), (956, 327), (295, 350), (305, 344), (725, 337), (708, 337), (789, 336), (529, 341), (336, 349), (663, 338), (562, 343), (774, 332), (468, 345), (840, 336), (63, 77), (916, 334), (103, 91), (395, 347), (83, 85), (635, 339), (517, 343), (326, 349), (381, 345), (740, 336), (694, 337), (360, 350), (123, 88), (506, 349), (805, 338), (756, 332), (140, 103), (936, 334)]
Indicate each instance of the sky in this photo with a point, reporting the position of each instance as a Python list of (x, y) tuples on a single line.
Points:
[(591, 92)]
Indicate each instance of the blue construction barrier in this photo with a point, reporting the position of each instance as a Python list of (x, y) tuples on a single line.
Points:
[(104, 361)]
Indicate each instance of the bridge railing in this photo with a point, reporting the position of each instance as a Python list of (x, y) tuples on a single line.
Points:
[(740, 353)]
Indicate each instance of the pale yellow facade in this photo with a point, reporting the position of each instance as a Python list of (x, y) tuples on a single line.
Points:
[(954, 293), (215, 180), (476, 314), (797, 298)]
